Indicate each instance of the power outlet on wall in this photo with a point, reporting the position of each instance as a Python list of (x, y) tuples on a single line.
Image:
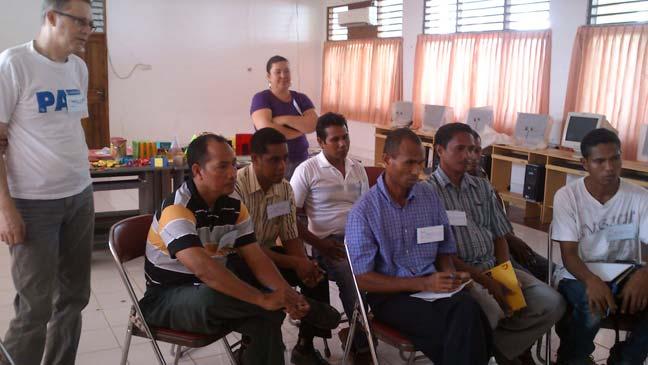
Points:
[(146, 67)]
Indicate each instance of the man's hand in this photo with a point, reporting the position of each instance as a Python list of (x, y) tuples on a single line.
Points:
[(12, 227), (499, 291), (332, 250), (599, 296), (286, 298), (442, 282), (634, 296), (308, 272)]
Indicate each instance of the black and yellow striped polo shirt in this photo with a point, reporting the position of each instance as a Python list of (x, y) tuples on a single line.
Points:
[(184, 221)]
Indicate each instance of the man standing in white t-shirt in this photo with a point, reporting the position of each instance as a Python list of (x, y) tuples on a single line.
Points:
[(326, 186), (46, 206), (601, 218)]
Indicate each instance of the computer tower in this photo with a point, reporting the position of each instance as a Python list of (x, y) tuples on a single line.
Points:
[(534, 179)]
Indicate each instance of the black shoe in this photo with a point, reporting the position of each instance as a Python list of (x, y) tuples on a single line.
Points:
[(303, 356), (322, 315)]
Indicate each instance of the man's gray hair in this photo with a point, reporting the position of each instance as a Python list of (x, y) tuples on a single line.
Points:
[(59, 5)]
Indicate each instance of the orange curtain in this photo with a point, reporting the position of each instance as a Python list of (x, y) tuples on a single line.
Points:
[(506, 70), (609, 75), (362, 78)]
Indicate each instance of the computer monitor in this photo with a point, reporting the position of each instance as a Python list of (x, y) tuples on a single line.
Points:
[(478, 118), (642, 147), (578, 125), (531, 129), (402, 112), (434, 116)]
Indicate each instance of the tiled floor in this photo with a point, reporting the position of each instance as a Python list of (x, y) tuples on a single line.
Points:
[(105, 317)]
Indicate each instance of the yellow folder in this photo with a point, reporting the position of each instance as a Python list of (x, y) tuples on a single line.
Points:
[(505, 274)]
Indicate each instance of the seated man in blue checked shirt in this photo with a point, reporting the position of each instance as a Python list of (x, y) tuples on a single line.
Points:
[(480, 227), (400, 242)]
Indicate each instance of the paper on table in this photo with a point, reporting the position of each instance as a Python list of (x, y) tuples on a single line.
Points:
[(607, 271), (431, 296)]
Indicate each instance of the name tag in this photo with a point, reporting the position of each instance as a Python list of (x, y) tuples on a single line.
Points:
[(457, 217), (429, 234), (620, 232), (278, 209), (75, 101)]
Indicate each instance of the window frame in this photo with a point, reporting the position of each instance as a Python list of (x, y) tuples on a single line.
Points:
[(505, 23), (329, 30), (591, 6)]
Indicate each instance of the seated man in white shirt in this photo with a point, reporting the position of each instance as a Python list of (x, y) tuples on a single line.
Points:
[(326, 186), (601, 218)]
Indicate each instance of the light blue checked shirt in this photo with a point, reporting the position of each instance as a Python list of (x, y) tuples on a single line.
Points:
[(382, 236)]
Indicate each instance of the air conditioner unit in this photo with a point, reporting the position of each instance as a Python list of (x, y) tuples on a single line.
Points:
[(359, 17)]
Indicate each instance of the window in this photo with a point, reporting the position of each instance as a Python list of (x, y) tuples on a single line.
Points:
[(452, 16), (335, 31), (390, 20), (618, 11), (99, 15)]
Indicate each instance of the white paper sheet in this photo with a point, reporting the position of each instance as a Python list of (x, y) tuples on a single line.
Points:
[(431, 296), (604, 270)]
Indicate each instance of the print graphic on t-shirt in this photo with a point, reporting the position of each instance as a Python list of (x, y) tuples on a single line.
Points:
[(70, 99), (623, 218)]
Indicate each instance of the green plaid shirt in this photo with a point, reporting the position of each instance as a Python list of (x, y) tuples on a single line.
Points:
[(486, 219)]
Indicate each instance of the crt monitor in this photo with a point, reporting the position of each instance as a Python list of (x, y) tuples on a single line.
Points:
[(578, 125), (531, 129), (642, 147), (402, 112), (434, 116), (479, 118)]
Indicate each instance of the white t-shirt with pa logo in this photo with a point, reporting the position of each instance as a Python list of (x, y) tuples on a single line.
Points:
[(42, 102)]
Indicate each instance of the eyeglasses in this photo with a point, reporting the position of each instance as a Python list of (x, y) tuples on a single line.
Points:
[(80, 22)]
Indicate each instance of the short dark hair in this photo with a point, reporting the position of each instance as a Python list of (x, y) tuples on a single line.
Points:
[(597, 137), (448, 131), (48, 5), (475, 135), (396, 137), (273, 60), (197, 149), (264, 137), (327, 120)]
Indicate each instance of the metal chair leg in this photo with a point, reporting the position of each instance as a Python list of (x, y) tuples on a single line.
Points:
[(228, 351), (411, 358), (178, 353), (327, 350), (349, 340), (127, 342)]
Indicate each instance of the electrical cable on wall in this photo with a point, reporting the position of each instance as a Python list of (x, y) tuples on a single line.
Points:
[(130, 73)]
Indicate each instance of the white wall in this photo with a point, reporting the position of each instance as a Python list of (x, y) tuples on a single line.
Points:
[(566, 17), (19, 22), (208, 60)]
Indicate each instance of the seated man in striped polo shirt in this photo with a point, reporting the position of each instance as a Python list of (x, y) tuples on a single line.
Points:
[(198, 232), (263, 189), (480, 227)]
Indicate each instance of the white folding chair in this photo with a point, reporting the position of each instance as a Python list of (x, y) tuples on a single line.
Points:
[(382, 331)]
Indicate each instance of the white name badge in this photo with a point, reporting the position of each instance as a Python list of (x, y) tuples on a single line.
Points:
[(457, 217), (75, 101), (278, 209), (429, 234), (620, 232)]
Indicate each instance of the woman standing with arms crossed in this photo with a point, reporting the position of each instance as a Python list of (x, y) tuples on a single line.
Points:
[(290, 112)]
